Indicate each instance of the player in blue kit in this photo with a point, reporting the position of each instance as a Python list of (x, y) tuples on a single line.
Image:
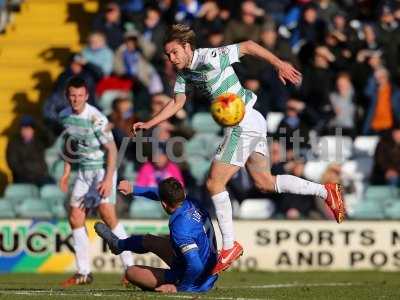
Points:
[(190, 251)]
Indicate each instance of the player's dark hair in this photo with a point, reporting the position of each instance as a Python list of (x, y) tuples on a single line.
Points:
[(76, 82), (182, 34), (171, 191)]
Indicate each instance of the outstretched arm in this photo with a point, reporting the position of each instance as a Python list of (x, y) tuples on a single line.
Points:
[(168, 111), (285, 70)]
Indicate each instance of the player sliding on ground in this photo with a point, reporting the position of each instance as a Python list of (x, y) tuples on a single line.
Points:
[(209, 71), (190, 250)]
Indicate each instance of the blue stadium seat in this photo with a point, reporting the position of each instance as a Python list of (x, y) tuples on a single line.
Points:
[(144, 208)]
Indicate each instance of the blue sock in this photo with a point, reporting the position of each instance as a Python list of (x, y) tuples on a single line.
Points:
[(134, 243)]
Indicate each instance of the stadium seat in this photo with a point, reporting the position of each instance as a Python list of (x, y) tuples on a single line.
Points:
[(57, 169), (273, 120), (368, 210), (334, 148), (52, 154), (203, 144), (18, 192), (256, 209), (199, 167), (144, 208), (58, 211), (365, 145), (33, 208), (380, 192), (51, 191), (393, 211), (129, 172), (202, 122), (6, 209)]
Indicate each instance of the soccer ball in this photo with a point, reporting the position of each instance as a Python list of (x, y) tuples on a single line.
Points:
[(227, 109)]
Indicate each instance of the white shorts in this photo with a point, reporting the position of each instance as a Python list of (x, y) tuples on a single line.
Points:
[(84, 192), (240, 141)]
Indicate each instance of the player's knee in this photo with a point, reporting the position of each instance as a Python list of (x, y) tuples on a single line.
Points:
[(76, 218), (214, 186)]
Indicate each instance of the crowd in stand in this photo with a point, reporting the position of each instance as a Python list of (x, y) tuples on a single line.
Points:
[(347, 50)]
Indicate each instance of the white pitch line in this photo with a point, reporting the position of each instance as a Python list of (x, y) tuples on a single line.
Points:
[(292, 285), (155, 295)]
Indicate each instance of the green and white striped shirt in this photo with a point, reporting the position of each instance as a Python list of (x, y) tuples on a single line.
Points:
[(84, 135), (211, 74)]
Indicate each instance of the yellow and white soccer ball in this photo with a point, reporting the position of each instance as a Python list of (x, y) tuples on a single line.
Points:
[(228, 109)]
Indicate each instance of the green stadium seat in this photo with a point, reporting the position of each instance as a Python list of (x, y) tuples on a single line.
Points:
[(52, 154), (59, 211), (203, 122), (199, 167), (34, 208), (368, 210), (57, 169), (18, 192), (144, 208), (51, 191), (6, 209), (203, 144), (379, 192), (393, 211)]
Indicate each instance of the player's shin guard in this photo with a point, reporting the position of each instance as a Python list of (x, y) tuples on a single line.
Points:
[(81, 247), (126, 256), (223, 210)]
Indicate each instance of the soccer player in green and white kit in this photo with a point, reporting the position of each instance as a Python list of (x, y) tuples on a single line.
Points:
[(89, 140), (209, 71)]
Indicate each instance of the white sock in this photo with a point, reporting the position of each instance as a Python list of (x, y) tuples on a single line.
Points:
[(223, 210), (81, 247), (126, 256), (296, 185)]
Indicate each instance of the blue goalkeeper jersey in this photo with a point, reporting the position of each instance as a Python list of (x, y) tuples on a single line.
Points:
[(193, 241)]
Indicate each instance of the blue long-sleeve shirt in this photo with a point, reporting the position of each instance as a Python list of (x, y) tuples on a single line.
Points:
[(193, 241)]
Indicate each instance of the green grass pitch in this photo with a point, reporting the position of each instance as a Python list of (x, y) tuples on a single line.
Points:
[(231, 285)]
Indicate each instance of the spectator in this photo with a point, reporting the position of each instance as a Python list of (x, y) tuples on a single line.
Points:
[(247, 27), (153, 32), (121, 119), (110, 24), (98, 53), (187, 11), (130, 62), (159, 168), (387, 159), (208, 22), (311, 28), (342, 101), (384, 103), (327, 9), (4, 15), (388, 32), (317, 95), (56, 102), (295, 125), (26, 152)]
